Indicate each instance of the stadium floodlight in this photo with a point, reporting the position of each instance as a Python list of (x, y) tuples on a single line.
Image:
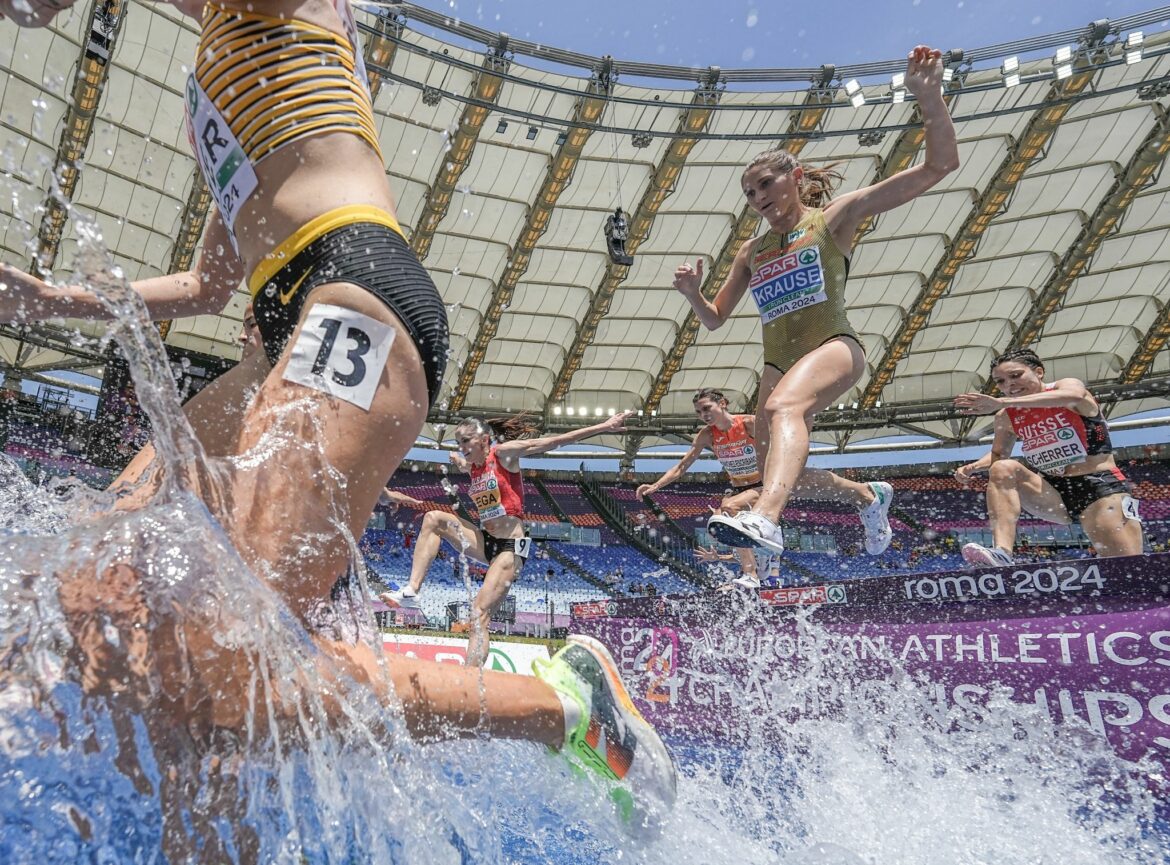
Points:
[(557, 410), (502, 126), (1133, 47), (1010, 70), (898, 87), (1063, 62), (562, 137), (612, 412), (597, 412), (853, 91), (532, 130), (569, 411)]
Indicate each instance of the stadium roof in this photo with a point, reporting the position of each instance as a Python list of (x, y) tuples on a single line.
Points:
[(506, 156)]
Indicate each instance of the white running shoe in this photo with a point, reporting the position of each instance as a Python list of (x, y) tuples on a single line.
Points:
[(404, 598), (746, 582), (875, 517), (977, 554), (747, 529)]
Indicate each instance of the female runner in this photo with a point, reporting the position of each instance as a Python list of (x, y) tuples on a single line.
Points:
[(796, 273), (282, 125), (1067, 472), (500, 541)]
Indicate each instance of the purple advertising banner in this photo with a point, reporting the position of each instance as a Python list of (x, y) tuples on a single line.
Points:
[(1085, 640)]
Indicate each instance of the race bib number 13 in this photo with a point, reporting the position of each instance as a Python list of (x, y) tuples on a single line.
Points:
[(340, 352)]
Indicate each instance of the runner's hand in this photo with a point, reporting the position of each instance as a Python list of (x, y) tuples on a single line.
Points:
[(617, 423), (645, 490), (977, 403), (963, 474), (924, 71), (688, 281)]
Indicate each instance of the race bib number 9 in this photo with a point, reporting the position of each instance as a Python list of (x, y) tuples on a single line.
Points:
[(340, 352)]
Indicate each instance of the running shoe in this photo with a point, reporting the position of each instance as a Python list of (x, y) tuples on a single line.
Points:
[(875, 517), (747, 529), (612, 739), (977, 554), (747, 582), (405, 598)]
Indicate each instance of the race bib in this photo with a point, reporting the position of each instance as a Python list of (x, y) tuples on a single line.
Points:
[(1054, 451), (485, 493), (789, 282), (340, 352), (739, 461), (1129, 507), (228, 172)]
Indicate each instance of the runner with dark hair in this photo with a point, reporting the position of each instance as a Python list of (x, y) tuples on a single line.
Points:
[(490, 451), (1067, 471)]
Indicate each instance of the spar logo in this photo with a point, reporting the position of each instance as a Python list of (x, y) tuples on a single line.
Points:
[(594, 609), (1065, 434), (807, 256), (799, 596), (500, 661)]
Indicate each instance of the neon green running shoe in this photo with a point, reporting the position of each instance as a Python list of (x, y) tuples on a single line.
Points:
[(612, 739)]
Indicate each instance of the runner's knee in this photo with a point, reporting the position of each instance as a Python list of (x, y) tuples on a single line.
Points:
[(1004, 471)]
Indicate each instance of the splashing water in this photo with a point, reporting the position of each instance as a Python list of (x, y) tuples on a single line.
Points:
[(316, 769)]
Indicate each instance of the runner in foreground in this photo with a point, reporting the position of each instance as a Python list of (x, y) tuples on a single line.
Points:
[(796, 274), (356, 336), (1068, 472)]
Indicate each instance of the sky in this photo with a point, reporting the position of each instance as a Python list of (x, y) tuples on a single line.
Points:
[(752, 33)]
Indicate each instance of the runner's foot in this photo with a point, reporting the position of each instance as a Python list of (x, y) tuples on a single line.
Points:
[(875, 518), (612, 739), (404, 598), (977, 554), (747, 529)]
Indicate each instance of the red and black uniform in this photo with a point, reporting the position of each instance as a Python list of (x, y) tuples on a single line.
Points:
[(496, 493), (736, 451), (1053, 439)]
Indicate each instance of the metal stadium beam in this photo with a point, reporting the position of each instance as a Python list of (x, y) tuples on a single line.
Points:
[(1141, 168), (380, 46), (693, 120), (991, 203), (105, 23), (560, 173), (485, 91), (1153, 342)]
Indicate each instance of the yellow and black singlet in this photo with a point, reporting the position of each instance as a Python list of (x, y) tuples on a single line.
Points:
[(798, 285), (262, 82)]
